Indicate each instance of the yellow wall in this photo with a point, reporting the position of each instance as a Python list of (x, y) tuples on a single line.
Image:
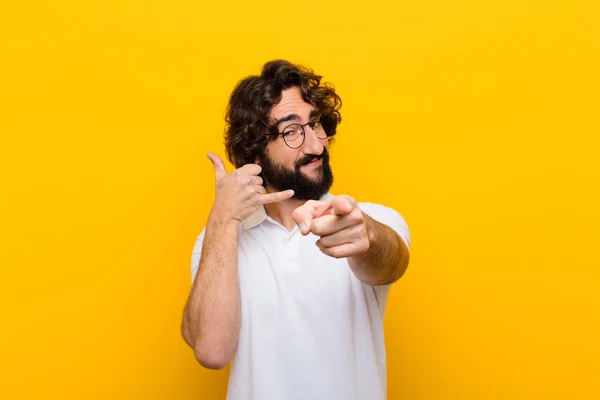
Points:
[(477, 120)]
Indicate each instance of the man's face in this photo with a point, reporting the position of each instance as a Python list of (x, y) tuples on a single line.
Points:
[(306, 169)]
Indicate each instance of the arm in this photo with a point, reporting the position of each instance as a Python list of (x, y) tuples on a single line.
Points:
[(386, 259), (212, 316)]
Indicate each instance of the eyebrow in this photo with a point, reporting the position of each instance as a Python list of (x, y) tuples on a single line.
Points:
[(296, 117)]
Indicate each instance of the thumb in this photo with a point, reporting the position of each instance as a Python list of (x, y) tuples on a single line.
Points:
[(218, 164), (304, 214), (343, 205)]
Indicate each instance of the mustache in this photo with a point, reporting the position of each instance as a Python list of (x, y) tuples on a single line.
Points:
[(307, 159)]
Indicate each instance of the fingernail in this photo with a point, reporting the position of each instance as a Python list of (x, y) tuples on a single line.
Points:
[(303, 227)]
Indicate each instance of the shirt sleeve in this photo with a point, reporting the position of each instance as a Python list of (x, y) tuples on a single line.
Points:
[(394, 220), (389, 217), (197, 253)]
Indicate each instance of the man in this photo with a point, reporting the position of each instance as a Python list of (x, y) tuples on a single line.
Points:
[(290, 281)]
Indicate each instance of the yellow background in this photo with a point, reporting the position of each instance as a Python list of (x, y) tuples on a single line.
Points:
[(477, 120)]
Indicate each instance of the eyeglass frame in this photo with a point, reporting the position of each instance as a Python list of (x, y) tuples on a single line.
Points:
[(327, 136)]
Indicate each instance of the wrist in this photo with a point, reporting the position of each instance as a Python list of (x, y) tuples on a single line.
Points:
[(363, 258), (370, 228), (222, 222)]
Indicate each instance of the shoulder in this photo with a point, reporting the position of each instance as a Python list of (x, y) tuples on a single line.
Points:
[(379, 210)]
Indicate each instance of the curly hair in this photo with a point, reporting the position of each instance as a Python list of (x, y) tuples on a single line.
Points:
[(247, 117)]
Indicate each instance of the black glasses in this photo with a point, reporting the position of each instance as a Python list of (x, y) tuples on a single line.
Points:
[(293, 135)]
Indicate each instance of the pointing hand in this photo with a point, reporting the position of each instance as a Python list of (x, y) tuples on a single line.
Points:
[(340, 223)]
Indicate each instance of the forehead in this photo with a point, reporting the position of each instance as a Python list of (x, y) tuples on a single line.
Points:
[(291, 103)]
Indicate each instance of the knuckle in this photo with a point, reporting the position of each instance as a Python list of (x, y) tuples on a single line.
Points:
[(358, 229), (316, 227), (252, 169), (297, 213), (350, 199), (359, 234), (363, 246), (335, 253), (356, 218), (254, 198)]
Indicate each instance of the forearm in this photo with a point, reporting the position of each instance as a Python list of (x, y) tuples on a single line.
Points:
[(212, 316), (386, 259)]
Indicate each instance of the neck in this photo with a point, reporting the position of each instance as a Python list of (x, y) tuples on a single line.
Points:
[(282, 211)]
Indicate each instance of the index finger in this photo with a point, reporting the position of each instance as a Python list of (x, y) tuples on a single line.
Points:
[(343, 205)]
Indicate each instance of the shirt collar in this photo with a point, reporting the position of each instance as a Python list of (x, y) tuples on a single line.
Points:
[(260, 215)]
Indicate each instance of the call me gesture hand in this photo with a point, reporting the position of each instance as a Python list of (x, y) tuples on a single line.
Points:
[(240, 193)]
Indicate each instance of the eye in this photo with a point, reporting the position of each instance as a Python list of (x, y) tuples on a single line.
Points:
[(292, 131)]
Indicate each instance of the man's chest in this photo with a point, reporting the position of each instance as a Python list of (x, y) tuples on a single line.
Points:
[(287, 275)]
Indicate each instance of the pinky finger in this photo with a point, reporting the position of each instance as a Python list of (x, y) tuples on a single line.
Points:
[(343, 250)]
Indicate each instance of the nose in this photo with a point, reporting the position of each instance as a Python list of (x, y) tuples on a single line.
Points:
[(312, 144)]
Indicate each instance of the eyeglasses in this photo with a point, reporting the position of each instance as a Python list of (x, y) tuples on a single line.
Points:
[(293, 135)]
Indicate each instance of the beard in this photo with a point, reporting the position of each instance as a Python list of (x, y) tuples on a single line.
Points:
[(280, 178)]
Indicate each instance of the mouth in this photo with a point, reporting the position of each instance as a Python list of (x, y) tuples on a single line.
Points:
[(314, 163)]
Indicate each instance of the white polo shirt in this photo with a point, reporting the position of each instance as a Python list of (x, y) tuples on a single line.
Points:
[(310, 329)]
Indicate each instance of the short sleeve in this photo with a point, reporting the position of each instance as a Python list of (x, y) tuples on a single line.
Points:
[(197, 253), (389, 217), (394, 220)]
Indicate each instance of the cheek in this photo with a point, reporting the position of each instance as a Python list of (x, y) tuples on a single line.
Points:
[(281, 154)]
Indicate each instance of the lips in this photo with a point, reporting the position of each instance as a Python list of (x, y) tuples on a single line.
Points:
[(314, 163)]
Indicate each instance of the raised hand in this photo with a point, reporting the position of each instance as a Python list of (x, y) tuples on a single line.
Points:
[(240, 193), (339, 222)]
